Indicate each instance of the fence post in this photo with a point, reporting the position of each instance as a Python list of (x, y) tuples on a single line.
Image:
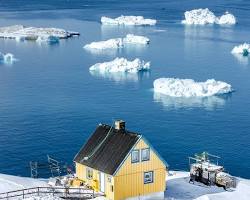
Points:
[(38, 191), (7, 196), (93, 194), (23, 194)]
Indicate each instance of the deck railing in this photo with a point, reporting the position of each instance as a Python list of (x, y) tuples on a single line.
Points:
[(66, 193)]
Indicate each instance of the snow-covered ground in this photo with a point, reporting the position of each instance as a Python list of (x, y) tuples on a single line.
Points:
[(10, 183), (205, 16), (116, 43), (121, 65), (175, 87), (178, 188), (21, 33), (128, 20), (243, 49), (7, 58)]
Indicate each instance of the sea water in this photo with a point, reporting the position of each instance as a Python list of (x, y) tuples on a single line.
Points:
[(50, 103)]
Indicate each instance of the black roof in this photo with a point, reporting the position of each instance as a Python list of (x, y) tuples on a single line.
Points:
[(106, 148)]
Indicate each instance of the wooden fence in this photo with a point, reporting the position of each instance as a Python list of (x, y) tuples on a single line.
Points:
[(63, 192)]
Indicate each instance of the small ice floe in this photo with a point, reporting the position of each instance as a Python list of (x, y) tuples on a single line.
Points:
[(243, 49), (136, 39), (7, 58), (21, 33), (189, 88), (108, 44), (205, 16), (225, 19), (121, 65), (128, 20), (117, 42)]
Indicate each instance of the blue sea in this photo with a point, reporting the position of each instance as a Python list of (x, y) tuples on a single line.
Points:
[(50, 103)]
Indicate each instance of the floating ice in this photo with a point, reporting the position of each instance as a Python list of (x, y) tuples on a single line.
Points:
[(136, 39), (108, 44), (227, 18), (21, 33), (128, 20), (243, 49), (118, 42), (48, 39), (205, 16), (121, 65), (7, 58), (189, 88)]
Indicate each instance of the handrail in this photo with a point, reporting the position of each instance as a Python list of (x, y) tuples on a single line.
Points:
[(67, 191)]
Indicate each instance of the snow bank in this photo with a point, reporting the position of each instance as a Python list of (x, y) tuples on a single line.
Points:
[(7, 58), (243, 49), (10, 183), (205, 16), (21, 33), (117, 42), (128, 20), (189, 88), (45, 197), (121, 65)]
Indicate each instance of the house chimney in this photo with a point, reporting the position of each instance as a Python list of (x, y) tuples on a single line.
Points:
[(120, 125)]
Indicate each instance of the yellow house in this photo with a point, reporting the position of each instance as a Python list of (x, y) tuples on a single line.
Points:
[(121, 164)]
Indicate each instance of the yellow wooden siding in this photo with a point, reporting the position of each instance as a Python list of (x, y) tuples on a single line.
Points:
[(129, 180), (95, 182)]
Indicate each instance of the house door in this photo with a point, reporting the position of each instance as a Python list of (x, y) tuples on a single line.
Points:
[(102, 182)]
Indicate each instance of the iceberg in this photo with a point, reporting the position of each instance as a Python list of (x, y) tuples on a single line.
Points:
[(117, 42), (121, 65), (175, 87), (136, 39), (243, 49), (128, 20), (7, 58), (227, 18), (205, 16), (108, 44), (48, 39), (21, 33)]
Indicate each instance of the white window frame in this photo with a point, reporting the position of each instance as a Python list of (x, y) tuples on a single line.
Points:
[(135, 151), (147, 159), (151, 173)]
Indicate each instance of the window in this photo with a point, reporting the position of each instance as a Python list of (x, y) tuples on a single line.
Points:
[(135, 156), (89, 173), (148, 177), (145, 154), (109, 179)]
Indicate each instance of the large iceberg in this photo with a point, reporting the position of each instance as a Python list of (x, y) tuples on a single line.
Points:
[(121, 65), (21, 33), (118, 42), (7, 58), (243, 49), (189, 88), (128, 20), (205, 16)]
